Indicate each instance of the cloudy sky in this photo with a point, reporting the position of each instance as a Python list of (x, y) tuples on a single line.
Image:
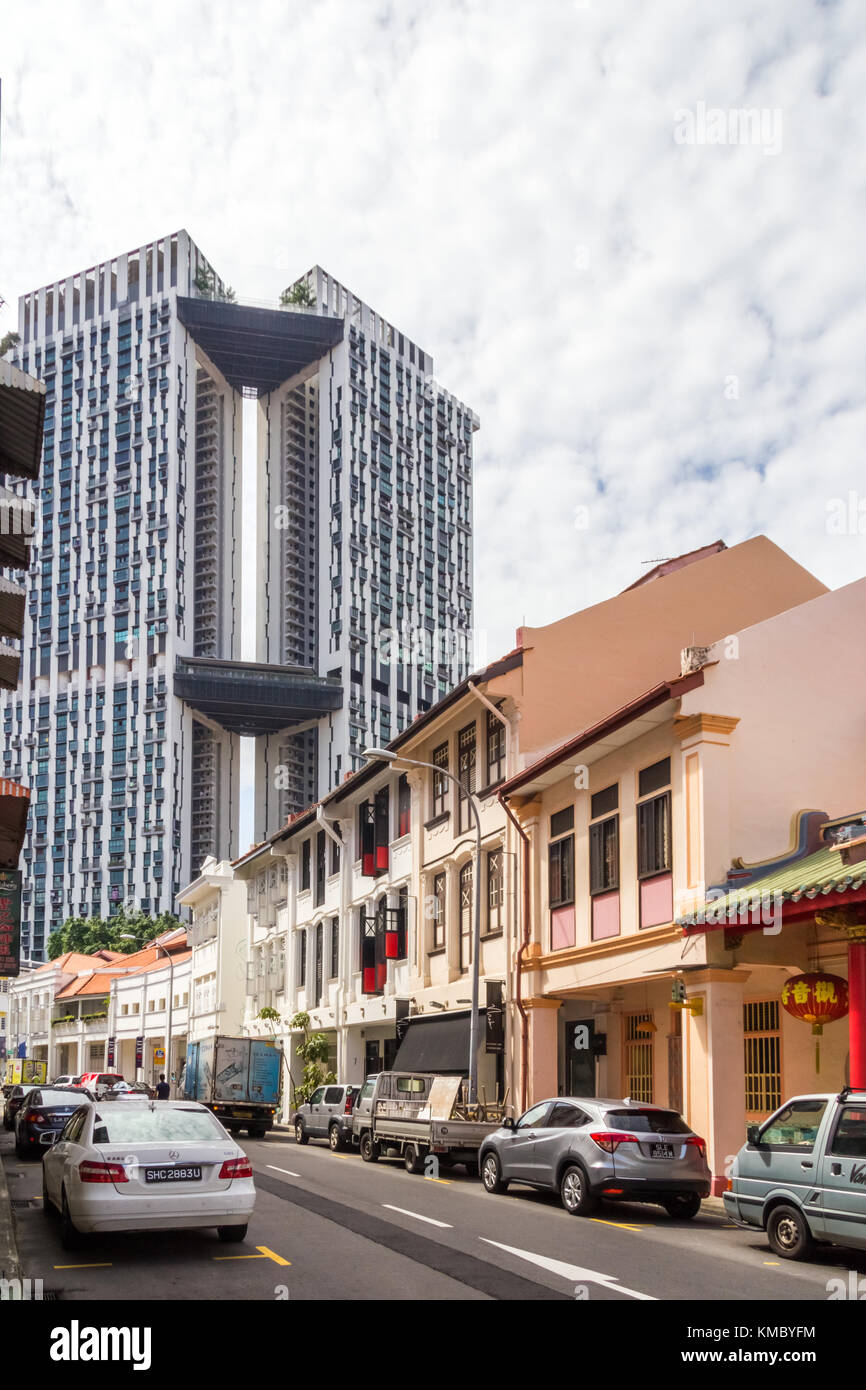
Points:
[(654, 304)]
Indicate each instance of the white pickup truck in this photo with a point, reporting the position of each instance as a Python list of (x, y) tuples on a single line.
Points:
[(413, 1114)]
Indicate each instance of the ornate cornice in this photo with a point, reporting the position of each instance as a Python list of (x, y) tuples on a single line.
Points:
[(687, 725)]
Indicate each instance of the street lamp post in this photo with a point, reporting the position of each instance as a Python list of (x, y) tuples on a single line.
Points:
[(383, 755)]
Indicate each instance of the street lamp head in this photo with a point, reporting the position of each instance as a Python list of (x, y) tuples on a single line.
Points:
[(375, 755)]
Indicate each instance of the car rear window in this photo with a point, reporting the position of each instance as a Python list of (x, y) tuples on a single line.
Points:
[(647, 1121), (49, 1097), (139, 1124), (333, 1095)]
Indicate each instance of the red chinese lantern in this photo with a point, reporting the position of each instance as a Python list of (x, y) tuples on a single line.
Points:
[(816, 999)]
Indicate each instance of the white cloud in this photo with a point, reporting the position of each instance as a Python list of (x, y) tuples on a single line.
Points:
[(504, 183)]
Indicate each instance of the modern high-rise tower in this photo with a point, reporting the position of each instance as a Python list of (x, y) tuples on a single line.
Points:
[(134, 696)]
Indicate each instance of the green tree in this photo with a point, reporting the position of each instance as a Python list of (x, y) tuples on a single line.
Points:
[(313, 1052), (204, 280), (90, 934), (8, 341), (229, 295), (299, 293)]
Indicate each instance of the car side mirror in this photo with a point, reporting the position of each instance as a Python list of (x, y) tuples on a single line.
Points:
[(508, 1123), (753, 1134)]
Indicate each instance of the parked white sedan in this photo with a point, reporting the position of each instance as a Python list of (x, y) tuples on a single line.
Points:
[(155, 1166)]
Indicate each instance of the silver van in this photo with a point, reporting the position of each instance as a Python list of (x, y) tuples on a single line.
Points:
[(326, 1115), (801, 1176)]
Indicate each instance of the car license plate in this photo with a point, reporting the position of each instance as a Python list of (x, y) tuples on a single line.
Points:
[(160, 1175), (662, 1151)]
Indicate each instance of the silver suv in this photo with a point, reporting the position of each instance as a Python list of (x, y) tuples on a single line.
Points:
[(587, 1149), (326, 1115)]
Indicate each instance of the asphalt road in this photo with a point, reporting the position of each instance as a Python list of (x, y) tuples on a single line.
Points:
[(328, 1226)]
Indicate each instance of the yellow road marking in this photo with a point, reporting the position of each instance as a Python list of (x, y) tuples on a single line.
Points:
[(772, 1262), (219, 1258), (277, 1259), (622, 1225), (446, 1182), (100, 1266)]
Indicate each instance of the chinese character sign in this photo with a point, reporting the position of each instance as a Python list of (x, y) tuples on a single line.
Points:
[(10, 922)]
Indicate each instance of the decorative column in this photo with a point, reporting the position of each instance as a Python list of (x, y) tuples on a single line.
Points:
[(852, 921), (542, 1080)]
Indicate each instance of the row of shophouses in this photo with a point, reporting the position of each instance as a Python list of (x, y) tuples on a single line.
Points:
[(673, 828)]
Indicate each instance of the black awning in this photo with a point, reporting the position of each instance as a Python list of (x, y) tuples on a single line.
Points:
[(438, 1044)]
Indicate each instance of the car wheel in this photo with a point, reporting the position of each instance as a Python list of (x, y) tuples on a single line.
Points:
[(574, 1192), (334, 1139), (369, 1150), (232, 1235), (491, 1174), (301, 1135), (413, 1159), (70, 1237), (788, 1233), (684, 1206), (47, 1207)]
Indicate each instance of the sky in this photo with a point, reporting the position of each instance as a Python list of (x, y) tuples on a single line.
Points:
[(629, 232)]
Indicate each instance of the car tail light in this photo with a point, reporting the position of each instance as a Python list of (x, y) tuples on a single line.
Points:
[(38, 1119), (236, 1168), (611, 1140), (350, 1100), (692, 1141), (102, 1172)]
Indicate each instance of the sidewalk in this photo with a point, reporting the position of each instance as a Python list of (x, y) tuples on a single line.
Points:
[(9, 1267)]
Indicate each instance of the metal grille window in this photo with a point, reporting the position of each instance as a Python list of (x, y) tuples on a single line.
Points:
[(466, 916), (335, 947), (404, 806), (604, 855), (762, 1045), (320, 951), (439, 889), (321, 861), (302, 959), (466, 774), (654, 836), (638, 1058), (305, 866), (561, 871), (495, 749), (495, 891), (440, 781)]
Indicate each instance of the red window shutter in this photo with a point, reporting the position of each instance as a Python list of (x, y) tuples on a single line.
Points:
[(368, 865), (391, 948), (369, 979), (381, 856)]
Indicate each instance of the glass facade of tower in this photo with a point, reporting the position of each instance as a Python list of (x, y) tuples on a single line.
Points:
[(125, 725)]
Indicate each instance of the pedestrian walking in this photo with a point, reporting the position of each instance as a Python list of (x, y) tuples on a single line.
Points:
[(163, 1090)]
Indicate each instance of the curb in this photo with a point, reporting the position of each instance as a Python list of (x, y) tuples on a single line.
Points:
[(9, 1266)]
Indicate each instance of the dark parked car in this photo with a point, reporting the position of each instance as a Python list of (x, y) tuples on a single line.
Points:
[(42, 1115), (13, 1104)]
